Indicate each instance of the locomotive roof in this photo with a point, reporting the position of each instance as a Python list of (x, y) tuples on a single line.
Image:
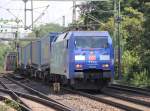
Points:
[(90, 33), (67, 35)]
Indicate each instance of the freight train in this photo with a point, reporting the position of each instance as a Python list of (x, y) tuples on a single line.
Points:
[(81, 59)]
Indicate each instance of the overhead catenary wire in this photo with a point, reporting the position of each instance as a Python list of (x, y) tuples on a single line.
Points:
[(42, 14), (36, 8), (17, 19), (8, 10)]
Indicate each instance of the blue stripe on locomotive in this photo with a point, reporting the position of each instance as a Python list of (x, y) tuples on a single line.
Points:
[(85, 66)]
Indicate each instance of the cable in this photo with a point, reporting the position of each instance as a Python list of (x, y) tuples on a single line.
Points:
[(8, 10), (39, 7), (95, 19), (17, 19), (23, 9), (42, 14)]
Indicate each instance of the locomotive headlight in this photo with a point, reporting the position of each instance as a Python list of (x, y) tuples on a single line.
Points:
[(79, 57), (105, 65), (104, 57)]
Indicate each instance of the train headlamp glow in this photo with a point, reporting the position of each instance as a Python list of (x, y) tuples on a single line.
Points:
[(105, 65), (79, 57), (78, 66), (104, 57)]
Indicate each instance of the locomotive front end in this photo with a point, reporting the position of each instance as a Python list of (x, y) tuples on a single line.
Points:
[(93, 57), (93, 54)]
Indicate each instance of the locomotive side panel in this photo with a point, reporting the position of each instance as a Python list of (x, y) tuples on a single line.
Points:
[(59, 58)]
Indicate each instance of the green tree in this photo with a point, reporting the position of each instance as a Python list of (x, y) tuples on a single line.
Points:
[(101, 11), (135, 34), (45, 29), (131, 41), (132, 29), (145, 54), (130, 64)]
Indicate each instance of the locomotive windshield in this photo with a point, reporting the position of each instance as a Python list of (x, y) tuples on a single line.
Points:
[(91, 42)]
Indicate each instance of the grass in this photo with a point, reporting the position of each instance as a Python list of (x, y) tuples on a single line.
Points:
[(12, 104)]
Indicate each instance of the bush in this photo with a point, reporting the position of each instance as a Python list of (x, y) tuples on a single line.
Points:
[(130, 64), (3, 50), (13, 104), (141, 79)]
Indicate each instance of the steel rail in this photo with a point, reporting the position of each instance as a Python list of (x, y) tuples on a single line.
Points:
[(126, 88), (41, 95), (100, 99), (132, 87), (37, 99), (16, 97), (107, 92)]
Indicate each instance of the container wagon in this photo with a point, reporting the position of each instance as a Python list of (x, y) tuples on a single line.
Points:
[(36, 56), (10, 61)]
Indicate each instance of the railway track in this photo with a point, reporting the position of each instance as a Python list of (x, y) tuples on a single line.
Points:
[(132, 94), (15, 97), (13, 104), (27, 100), (118, 101), (114, 100), (76, 101), (131, 89)]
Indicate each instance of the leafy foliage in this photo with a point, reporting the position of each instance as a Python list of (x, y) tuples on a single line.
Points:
[(98, 10), (145, 55), (130, 64), (3, 50), (135, 35), (132, 28), (141, 79), (13, 104), (45, 29)]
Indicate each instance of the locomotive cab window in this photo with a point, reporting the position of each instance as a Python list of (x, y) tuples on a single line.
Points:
[(91, 42)]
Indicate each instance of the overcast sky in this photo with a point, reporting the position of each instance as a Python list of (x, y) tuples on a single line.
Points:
[(53, 14)]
